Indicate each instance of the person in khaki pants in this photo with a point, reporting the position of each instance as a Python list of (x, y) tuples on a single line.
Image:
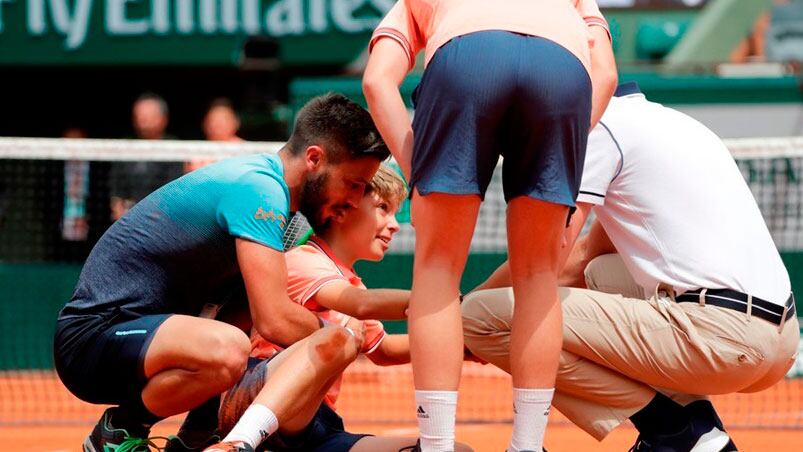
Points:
[(677, 291)]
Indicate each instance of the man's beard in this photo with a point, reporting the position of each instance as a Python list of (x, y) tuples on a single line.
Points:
[(313, 201)]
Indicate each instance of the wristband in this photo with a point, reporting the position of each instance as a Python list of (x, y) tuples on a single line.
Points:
[(354, 335)]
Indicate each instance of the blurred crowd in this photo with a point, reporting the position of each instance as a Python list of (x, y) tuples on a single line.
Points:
[(129, 182)]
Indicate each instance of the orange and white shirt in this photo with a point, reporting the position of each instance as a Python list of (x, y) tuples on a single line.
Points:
[(310, 267), (429, 24)]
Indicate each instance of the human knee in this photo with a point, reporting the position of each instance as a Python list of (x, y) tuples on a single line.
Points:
[(227, 355), (608, 273), (444, 261), (593, 271), (335, 345)]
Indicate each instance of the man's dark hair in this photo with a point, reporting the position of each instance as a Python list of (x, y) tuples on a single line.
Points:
[(343, 127)]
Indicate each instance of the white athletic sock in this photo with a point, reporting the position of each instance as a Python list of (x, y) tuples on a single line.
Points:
[(530, 413), (255, 425), (436, 416)]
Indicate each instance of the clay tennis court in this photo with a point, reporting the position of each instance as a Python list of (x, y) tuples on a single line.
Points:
[(38, 414)]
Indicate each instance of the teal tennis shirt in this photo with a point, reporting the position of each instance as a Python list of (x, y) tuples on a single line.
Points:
[(174, 252)]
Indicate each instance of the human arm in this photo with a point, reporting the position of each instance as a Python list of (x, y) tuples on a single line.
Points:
[(394, 349), (595, 243), (386, 69), (253, 211), (604, 77), (603, 65), (383, 304), (275, 317)]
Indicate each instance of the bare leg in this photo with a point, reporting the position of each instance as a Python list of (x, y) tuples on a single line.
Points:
[(535, 231), (444, 225), (190, 360), (294, 383), (301, 378)]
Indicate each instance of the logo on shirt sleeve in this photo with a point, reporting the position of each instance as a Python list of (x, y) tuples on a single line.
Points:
[(271, 216)]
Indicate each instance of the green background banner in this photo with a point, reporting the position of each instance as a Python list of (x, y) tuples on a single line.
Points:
[(179, 32), (215, 32)]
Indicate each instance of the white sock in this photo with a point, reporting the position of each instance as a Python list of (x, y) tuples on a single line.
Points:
[(530, 414), (255, 425), (436, 412)]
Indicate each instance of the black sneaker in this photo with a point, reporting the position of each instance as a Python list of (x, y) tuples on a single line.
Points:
[(704, 409), (107, 438), (640, 445), (190, 441), (696, 437), (730, 447)]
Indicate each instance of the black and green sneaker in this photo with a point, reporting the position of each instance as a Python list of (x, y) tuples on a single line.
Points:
[(107, 438)]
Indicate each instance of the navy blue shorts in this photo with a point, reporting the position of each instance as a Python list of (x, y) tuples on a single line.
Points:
[(493, 93), (100, 358), (325, 432)]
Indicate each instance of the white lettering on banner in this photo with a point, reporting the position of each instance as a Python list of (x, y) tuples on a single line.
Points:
[(185, 24), (74, 26), (285, 17), (160, 16), (229, 13), (251, 16), (36, 17), (209, 16), (71, 18), (117, 23), (78, 24), (317, 16), (343, 16)]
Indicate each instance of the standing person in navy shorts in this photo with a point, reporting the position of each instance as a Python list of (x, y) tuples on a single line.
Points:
[(525, 79)]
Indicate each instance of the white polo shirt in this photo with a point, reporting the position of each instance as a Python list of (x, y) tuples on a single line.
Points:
[(673, 202)]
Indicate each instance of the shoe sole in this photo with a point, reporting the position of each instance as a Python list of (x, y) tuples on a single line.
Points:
[(713, 441)]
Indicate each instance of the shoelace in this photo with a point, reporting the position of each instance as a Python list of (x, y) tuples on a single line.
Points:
[(131, 444)]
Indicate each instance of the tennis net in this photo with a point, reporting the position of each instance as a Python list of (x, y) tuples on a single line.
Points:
[(57, 196)]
